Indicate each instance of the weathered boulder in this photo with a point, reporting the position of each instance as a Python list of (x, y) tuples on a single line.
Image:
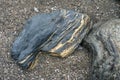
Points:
[(104, 43), (58, 33)]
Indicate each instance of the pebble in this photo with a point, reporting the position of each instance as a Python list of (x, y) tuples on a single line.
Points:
[(36, 9)]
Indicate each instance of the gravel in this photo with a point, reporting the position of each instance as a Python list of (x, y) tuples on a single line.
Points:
[(77, 66)]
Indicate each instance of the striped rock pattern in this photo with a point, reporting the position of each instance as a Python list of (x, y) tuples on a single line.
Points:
[(58, 33)]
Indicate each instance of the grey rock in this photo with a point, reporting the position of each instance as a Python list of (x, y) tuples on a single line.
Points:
[(59, 33), (104, 43)]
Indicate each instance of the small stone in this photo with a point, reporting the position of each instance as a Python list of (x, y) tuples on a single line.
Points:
[(36, 9), (42, 79), (57, 70), (54, 8), (97, 8)]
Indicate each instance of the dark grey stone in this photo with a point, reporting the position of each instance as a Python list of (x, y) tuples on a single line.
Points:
[(59, 33), (104, 43)]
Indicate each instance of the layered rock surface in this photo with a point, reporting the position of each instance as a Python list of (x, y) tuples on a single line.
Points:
[(59, 33)]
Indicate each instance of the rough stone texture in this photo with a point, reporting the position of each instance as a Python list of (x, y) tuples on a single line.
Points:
[(13, 15), (104, 43), (58, 33)]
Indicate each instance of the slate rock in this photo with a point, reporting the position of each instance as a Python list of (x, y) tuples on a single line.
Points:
[(58, 33), (104, 43)]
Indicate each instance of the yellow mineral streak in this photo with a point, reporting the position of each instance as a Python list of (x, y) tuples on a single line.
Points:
[(57, 47), (48, 40), (21, 62), (63, 33), (76, 31), (70, 48), (34, 63), (67, 51), (55, 54)]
